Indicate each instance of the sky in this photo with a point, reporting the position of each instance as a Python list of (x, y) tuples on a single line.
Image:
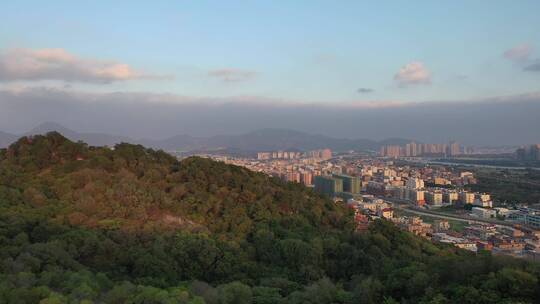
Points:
[(324, 54)]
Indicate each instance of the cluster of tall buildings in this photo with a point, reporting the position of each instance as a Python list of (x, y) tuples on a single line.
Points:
[(338, 185), (298, 176), (531, 152), (323, 154), (415, 149)]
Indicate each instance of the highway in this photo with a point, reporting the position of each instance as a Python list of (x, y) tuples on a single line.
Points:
[(399, 204)]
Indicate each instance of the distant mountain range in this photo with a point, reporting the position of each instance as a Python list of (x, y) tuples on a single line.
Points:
[(260, 140)]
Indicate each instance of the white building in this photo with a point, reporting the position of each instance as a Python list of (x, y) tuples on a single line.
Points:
[(458, 242), (484, 213)]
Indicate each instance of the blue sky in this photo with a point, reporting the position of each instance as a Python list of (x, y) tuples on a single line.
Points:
[(312, 51)]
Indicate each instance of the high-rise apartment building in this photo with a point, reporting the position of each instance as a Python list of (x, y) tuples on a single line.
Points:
[(466, 197), (391, 151), (411, 149), (351, 184), (307, 178), (326, 154), (450, 196), (328, 185), (454, 148), (415, 183), (434, 197), (531, 152)]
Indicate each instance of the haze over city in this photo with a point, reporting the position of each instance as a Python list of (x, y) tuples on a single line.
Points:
[(429, 71)]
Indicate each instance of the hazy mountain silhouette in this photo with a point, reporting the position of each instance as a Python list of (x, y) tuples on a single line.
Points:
[(93, 139), (259, 140)]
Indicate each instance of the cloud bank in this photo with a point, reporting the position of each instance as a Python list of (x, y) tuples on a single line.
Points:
[(58, 64), (495, 121)]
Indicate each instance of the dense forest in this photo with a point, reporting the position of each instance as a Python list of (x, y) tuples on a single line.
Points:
[(83, 224)]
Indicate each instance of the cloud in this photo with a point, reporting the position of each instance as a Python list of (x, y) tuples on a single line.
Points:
[(58, 64), (534, 67), (364, 90), (492, 121), (519, 53), (232, 75), (412, 74)]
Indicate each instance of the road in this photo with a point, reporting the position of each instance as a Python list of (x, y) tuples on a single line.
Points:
[(397, 204), (453, 218)]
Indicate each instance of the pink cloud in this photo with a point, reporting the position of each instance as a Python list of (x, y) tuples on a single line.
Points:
[(519, 53), (232, 75), (58, 64), (413, 73)]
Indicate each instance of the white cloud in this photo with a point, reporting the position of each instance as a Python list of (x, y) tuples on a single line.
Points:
[(519, 53), (58, 64), (232, 75), (413, 73)]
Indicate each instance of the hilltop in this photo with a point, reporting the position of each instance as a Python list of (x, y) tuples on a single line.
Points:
[(130, 186), (81, 224)]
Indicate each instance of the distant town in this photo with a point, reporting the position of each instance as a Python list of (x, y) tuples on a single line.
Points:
[(430, 200)]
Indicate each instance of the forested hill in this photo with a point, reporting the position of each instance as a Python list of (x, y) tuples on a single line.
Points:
[(81, 224), (130, 187)]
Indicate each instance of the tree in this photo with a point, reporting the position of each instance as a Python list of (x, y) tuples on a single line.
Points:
[(235, 293)]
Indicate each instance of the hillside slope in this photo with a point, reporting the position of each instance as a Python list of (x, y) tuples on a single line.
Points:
[(132, 225), (134, 187)]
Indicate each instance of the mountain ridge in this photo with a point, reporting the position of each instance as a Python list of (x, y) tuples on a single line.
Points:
[(257, 140)]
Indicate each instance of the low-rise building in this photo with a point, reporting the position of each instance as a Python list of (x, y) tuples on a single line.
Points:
[(441, 225), (415, 225), (385, 212), (483, 212), (526, 216), (458, 242)]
